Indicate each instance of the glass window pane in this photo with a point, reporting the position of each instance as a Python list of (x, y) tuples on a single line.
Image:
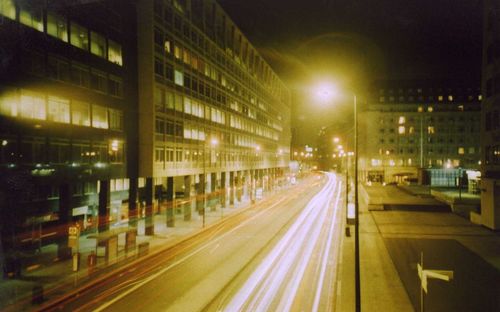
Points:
[(8, 9), (97, 44), (32, 106), (99, 117), (32, 16), (80, 113), (9, 105), (57, 26), (79, 36), (114, 52), (58, 109)]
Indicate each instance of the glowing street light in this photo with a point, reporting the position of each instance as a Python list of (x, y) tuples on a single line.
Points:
[(336, 140)]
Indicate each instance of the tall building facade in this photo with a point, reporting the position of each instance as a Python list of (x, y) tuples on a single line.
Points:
[(213, 116), (67, 98), (490, 130), (420, 131)]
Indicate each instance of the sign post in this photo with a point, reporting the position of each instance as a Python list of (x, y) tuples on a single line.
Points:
[(445, 275), (73, 243)]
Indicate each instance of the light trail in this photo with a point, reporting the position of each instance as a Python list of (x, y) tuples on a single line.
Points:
[(290, 258)]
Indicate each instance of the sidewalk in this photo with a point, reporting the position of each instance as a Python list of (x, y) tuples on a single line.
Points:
[(51, 273), (382, 286)]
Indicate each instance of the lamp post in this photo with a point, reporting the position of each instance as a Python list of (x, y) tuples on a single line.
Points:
[(325, 92)]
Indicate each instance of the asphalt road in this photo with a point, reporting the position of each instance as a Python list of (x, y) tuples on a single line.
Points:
[(277, 255)]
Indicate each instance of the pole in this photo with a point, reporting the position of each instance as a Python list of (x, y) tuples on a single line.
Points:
[(460, 183), (204, 188), (356, 208), (347, 189), (421, 288)]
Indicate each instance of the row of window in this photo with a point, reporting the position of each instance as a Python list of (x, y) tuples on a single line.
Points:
[(60, 27), (38, 106), (237, 49), (492, 120), (431, 162), (402, 130), (165, 99), (428, 140), (492, 154), (41, 151), (431, 98), (169, 154), (429, 150)]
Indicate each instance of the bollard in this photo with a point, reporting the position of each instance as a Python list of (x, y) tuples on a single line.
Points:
[(37, 294), (91, 262), (76, 261), (348, 231)]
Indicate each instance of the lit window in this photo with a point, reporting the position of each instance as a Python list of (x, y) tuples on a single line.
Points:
[(410, 161), (8, 9), (179, 78), (99, 117), (58, 109), (480, 97), (32, 106), (9, 104), (178, 103), (402, 120), (450, 98), (168, 46), (430, 130), (440, 98), (32, 17), (57, 27), (472, 150), (97, 44), (401, 129), (115, 52), (187, 105), (430, 109), (411, 130), (80, 113), (177, 52), (461, 151), (460, 108), (79, 36)]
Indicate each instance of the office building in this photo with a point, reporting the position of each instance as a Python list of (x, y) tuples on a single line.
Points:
[(420, 131), (213, 116)]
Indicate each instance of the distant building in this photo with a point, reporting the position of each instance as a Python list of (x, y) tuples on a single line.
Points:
[(68, 98), (421, 132), (490, 130)]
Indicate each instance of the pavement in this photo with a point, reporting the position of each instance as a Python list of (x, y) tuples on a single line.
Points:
[(391, 243), (50, 275)]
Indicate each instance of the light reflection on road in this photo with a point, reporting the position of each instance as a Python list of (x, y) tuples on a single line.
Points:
[(274, 284)]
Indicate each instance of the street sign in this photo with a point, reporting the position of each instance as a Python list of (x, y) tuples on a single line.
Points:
[(73, 236), (425, 274)]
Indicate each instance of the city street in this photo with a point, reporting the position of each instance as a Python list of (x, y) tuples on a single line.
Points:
[(278, 255)]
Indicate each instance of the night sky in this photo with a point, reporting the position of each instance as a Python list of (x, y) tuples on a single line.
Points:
[(356, 41)]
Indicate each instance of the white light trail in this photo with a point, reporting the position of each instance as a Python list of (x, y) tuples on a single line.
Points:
[(289, 257)]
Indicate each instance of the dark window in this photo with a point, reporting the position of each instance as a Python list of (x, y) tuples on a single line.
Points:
[(158, 67)]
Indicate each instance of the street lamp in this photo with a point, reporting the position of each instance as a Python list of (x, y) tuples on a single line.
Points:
[(325, 93)]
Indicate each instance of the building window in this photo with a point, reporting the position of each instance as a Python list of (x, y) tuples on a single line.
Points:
[(430, 109), (115, 52), (179, 78), (32, 106), (80, 76), (98, 81), (401, 130), (115, 119), (461, 151), (97, 44), (79, 36), (99, 117), (8, 9), (32, 16), (58, 110), (9, 104), (430, 130), (57, 26), (402, 120), (115, 86), (158, 67), (80, 113)]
